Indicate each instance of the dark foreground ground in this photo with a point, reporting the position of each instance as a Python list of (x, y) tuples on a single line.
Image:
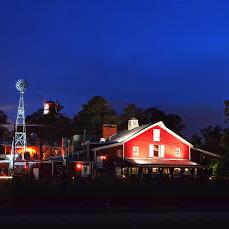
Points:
[(117, 204)]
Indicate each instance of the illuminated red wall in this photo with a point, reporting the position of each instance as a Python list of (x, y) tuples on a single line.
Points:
[(146, 138)]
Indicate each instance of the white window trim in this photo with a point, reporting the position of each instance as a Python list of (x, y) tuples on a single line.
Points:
[(177, 152), (137, 149), (156, 138), (151, 150), (160, 151)]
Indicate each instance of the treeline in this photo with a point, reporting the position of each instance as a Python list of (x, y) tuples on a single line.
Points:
[(98, 111), (214, 138)]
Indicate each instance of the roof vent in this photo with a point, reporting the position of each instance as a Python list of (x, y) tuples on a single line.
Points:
[(132, 123)]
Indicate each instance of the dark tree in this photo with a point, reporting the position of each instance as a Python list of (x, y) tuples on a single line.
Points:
[(95, 112), (172, 121), (225, 142), (36, 117), (226, 110), (197, 141), (58, 120), (212, 139), (153, 115), (3, 130), (131, 110), (51, 126), (225, 139), (3, 118), (52, 119), (175, 123), (220, 166)]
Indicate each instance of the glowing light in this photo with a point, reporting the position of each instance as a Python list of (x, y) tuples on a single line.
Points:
[(103, 157), (6, 177), (30, 149), (26, 166), (79, 166), (155, 170), (46, 108)]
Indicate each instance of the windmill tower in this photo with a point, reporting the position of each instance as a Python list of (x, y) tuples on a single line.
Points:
[(19, 141)]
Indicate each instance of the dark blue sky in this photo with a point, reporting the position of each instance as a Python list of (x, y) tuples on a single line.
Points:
[(173, 55)]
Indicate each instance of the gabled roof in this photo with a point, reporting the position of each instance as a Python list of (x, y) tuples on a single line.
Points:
[(127, 135), (107, 146)]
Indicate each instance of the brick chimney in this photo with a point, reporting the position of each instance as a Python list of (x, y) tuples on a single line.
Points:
[(108, 130)]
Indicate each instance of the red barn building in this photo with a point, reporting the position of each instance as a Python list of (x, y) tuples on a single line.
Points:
[(148, 148)]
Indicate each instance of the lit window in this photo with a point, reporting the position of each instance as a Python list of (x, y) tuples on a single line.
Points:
[(135, 151), (177, 152), (156, 135)]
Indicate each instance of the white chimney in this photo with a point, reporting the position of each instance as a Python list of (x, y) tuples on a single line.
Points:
[(132, 123)]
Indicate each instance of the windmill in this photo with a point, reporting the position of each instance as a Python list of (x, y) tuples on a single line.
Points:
[(19, 141)]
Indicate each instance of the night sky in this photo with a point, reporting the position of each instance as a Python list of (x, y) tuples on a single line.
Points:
[(170, 54)]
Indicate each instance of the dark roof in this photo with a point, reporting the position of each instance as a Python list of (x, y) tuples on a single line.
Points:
[(206, 152), (123, 135)]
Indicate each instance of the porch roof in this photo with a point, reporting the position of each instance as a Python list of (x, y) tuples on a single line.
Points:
[(159, 162)]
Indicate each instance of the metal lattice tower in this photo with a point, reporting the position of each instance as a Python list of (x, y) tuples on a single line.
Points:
[(19, 141)]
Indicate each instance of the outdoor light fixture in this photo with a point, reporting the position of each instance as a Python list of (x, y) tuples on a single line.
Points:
[(26, 166), (79, 166), (103, 157), (6, 177)]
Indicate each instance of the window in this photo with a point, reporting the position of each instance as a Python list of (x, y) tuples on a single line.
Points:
[(156, 135), (134, 123), (156, 150), (135, 151), (177, 152)]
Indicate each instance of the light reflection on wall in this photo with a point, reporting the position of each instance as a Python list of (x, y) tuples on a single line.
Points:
[(35, 150)]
